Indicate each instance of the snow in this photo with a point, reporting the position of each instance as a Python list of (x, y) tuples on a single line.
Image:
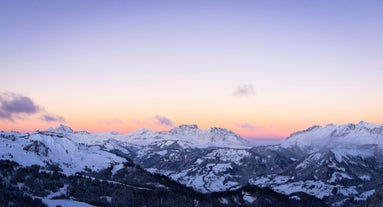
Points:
[(197, 182), (365, 177), (62, 190), (247, 197), (338, 176), (72, 157), (199, 161), (217, 183), (335, 136), (223, 201), (295, 197), (261, 182), (334, 166), (228, 155), (14, 150), (65, 203), (281, 179), (61, 129), (342, 154), (162, 153), (163, 172), (347, 191), (117, 168), (318, 189), (312, 159), (212, 179), (363, 196), (107, 198), (254, 142), (187, 136), (219, 167), (237, 200), (76, 150)]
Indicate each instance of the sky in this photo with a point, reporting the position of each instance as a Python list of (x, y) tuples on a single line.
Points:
[(263, 69)]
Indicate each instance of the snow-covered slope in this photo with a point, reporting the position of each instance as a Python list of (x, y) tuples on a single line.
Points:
[(78, 150), (187, 136), (340, 161), (43, 148), (335, 163), (335, 136)]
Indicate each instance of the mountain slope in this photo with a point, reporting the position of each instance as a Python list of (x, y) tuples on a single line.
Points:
[(334, 163), (43, 148), (339, 164), (61, 171), (129, 186), (335, 136), (187, 136)]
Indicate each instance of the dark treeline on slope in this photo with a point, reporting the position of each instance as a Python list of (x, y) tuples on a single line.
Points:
[(375, 200), (10, 194), (129, 186)]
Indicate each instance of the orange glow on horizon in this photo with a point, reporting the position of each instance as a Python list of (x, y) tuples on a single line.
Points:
[(262, 127), (125, 127)]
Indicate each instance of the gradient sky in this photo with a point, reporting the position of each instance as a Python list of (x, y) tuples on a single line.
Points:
[(260, 68)]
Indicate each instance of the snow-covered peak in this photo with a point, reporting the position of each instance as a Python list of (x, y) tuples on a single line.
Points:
[(221, 133), (306, 130), (142, 132), (223, 137), (45, 147), (333, 136), (192, 136), (185, 129), (367, 125), (187, 136), (61, 129)]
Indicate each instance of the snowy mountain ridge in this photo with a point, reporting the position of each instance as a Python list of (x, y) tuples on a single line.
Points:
[(329, 136), (335, 163), (43, 148), (337, 136), (189, 136)]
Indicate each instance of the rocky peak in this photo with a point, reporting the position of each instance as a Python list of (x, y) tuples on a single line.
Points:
[(61, 129), (185, 129)]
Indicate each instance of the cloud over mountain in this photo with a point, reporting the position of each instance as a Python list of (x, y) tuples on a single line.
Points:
[(161, 120), (12, 105), (15, 106), (52, 118)]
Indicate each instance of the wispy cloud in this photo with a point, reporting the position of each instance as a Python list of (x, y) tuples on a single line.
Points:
[(52, 118), (16, 106), (163, 121), (246, 126), (12, 105), (244, 90)]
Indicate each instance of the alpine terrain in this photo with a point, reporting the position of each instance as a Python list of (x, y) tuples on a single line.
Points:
[(333, 165)]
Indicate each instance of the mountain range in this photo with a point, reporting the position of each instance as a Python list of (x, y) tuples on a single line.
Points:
[(334, 165)]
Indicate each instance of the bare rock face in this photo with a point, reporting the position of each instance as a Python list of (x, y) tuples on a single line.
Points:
[(37, 147)]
